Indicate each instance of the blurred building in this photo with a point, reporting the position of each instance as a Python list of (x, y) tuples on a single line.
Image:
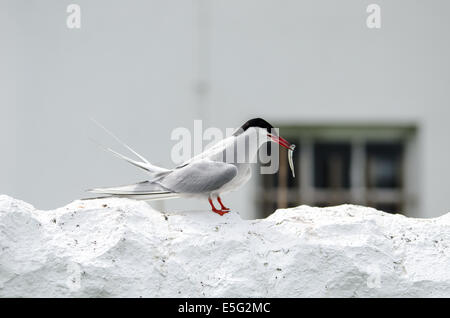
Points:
[(368, 108), (366, 165)]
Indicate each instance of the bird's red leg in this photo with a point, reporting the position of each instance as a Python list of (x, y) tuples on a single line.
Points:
[(221, 204), (221, 212)]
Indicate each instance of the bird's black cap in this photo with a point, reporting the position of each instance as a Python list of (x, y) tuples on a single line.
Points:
[(255, 122)]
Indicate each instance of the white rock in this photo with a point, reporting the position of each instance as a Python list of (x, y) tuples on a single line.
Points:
[(120, 247)]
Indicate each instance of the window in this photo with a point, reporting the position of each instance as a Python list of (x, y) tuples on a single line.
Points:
[(384, 165), (384, 175), (332, 165), (336, 165)]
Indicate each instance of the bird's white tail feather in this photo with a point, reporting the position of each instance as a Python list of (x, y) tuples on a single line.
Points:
[(145, 190), (146, 197), (145, 164)]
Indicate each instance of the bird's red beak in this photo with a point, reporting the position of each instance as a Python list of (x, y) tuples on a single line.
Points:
[(280, 140)]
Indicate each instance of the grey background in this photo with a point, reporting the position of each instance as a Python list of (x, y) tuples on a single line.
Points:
[(143, 68)]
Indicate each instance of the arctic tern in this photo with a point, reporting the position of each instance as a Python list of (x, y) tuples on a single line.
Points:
[(207, 175)]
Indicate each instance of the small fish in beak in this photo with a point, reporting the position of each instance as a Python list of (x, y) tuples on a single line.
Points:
[(291, 160), (290, 147)]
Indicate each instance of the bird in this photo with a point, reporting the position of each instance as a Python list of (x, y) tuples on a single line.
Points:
[(207, 175)]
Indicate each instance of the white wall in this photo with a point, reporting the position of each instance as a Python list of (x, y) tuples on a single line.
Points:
[(136, 66)]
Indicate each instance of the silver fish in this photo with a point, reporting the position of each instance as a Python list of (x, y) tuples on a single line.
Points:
[(291, 160)]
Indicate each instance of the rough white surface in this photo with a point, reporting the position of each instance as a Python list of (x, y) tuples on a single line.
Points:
[(120, 247)]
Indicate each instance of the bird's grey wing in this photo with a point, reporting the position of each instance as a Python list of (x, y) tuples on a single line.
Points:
[(201, 176)]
